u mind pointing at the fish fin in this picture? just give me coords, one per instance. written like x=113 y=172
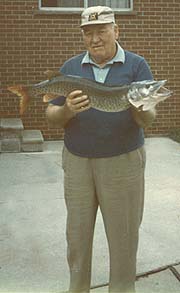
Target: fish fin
x=49 y=97
x=52 y=73
x=22 y=92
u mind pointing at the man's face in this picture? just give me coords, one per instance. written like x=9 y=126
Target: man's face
x=100 y=40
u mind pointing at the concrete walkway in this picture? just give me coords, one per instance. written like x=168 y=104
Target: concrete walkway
x=33 y=216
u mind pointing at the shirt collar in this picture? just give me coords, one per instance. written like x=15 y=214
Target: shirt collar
x=119 y=57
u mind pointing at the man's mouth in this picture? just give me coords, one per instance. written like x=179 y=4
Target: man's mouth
x=97 y=47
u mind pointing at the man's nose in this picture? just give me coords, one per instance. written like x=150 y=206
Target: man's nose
x=95 y=37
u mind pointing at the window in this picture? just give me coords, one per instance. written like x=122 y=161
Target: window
x=79 y=5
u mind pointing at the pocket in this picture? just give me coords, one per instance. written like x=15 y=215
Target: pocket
x=141 y=152
x=64 y=156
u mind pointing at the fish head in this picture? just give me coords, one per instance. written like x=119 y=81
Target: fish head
x=148 y=87
x=148 y=93
x=142 y=89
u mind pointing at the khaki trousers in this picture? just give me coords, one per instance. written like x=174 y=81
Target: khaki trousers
x=116 y=185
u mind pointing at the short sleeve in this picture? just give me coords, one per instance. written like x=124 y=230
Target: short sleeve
x=59 y=101
x=143 y=71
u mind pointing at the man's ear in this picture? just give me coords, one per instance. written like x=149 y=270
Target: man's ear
x=117 y=31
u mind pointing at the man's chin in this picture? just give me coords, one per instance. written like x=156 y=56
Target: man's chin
x=98 y=56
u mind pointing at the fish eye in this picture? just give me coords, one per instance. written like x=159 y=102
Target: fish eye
x=144 y=91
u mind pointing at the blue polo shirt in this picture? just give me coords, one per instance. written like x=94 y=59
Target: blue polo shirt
x=98 y=134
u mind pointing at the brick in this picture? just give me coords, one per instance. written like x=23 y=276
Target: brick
x=11 y=128
x=36 y=147
x=32 y=136
x=11 y=134
x=11 y=124
x=10 y=145
x=32 y=141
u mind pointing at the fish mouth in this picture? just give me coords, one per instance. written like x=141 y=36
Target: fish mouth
x=165 y=92
x=157 y=85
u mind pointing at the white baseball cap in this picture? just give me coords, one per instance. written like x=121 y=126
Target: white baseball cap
x=97 y=15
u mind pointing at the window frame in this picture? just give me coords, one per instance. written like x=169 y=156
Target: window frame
x=77 y=10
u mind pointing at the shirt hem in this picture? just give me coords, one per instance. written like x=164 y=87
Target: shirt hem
x=96 y=156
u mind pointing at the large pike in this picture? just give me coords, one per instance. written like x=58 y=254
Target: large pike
x=146 y=93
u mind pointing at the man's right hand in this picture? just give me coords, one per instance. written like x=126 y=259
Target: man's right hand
x=76 y=102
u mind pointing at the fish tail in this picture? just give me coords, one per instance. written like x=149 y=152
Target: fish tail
x=22 y=92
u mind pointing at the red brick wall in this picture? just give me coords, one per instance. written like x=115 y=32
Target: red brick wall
x=32 y=42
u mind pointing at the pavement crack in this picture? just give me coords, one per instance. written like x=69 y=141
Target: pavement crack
x=148 y=273
x=175 y=272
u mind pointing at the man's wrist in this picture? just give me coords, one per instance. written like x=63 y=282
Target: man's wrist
x=143 y=118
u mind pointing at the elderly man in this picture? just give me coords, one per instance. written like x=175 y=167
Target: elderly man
x=103 y=156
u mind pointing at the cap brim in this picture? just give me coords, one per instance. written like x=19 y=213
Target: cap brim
x=96 y=22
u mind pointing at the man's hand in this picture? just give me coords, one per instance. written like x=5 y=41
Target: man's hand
x=143 y=118
x=76 y=102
